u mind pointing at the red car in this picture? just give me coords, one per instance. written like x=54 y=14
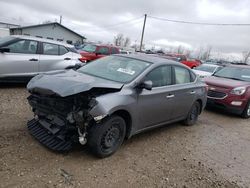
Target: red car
x=229 y=88
x=192 y=63
x=91 y=52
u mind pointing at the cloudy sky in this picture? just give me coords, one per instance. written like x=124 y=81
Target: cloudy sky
x=99 y=20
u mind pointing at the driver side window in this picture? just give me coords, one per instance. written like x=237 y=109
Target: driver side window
x=160 y=76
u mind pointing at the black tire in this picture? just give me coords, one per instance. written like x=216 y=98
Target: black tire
x=193 y=114
x=246 y=112
x=106 y=137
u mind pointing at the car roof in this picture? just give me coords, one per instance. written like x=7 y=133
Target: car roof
x=41 y=40
x=151 y=59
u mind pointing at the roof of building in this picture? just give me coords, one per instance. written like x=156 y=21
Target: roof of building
x=47 y=24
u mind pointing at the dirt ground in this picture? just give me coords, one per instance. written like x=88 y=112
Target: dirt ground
x=213 y=153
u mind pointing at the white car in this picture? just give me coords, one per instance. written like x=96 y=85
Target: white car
x=206 y=70
x=22 y=57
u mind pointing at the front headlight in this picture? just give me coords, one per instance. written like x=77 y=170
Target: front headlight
x=238 y=91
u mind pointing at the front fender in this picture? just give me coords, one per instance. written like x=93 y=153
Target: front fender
x=110 y=103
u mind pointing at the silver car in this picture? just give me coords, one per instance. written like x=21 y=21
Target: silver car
x=22 y=57
x=111 y=99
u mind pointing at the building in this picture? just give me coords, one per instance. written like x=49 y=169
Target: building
x=5 y=28
x=53 y=31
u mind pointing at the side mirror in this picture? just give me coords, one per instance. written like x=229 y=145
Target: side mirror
x=146 y=85
x=2 y=50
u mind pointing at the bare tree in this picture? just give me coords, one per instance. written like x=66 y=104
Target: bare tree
x=180 y=49
x=204 y=52
x=246 y=56
x=126 y=42
x=118 y=39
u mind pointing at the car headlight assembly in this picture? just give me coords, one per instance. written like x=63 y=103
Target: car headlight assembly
x=238 y=91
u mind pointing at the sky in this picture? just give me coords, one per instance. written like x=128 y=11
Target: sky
x=100 y=20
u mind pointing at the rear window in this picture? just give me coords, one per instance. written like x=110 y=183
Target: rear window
x=89 y=48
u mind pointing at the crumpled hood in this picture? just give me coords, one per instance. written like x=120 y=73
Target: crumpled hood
x=66 y=83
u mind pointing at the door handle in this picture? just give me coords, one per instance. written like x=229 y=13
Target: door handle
x=67 y=58
x=33 y=59
x=192 y=92
x=169 y=96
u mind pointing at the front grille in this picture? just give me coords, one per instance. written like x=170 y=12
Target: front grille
x=216 y=94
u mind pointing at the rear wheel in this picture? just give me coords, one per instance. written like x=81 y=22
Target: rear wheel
x=193 y=114
x=246 y=112
x=105 y=138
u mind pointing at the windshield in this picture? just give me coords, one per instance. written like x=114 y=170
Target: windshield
x=115 y=68
x=206 y=68
x=237 y=73
x=89 y=48
x=5 y=39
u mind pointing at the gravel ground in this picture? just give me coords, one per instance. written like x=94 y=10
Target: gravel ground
x=213 y=153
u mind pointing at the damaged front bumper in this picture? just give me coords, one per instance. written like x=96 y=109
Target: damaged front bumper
x=49 y=137
x=59 y=122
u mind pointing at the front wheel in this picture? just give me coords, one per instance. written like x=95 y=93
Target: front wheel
x=193 y=114
x=105 y=138
x=246 y=112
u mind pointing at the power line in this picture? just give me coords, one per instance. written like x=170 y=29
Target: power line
x=121 y=23
x=199 y=23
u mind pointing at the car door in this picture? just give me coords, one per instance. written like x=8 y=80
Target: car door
x=183 y=91
x=21 y=60
x=156 y=104
x=54 y=57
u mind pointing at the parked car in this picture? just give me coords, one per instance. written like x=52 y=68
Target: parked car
x=127 y=95
x=192 y=63
x=229 y=89
x=22 y=57
x=206 y=70
x=91 y=52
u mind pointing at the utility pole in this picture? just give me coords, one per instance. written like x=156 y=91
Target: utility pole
x=142 y=34
x=60 y=20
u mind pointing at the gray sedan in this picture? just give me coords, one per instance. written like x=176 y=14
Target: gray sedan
x=22 y=57
x=111 y=99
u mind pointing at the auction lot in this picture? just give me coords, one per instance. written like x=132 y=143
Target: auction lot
x=213 y=153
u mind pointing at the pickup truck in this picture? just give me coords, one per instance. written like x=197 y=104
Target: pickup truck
x=192 y=63
x=91 y=52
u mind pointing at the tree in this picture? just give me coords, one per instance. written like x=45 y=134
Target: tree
x=126 y=42
x=118 y=39
x=204 y=52
x=180 y=49
x=246 y=56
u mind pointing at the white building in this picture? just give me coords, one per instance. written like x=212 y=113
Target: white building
x=53 y=31
x=5 y=28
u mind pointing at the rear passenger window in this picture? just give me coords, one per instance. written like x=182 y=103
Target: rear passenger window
x=182 y=75
x=160 y=76
x=62 y=50
x=50 y=49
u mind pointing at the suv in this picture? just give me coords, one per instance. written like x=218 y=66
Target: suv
x=22 y=57
x=91 y=52
x=229 y=88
